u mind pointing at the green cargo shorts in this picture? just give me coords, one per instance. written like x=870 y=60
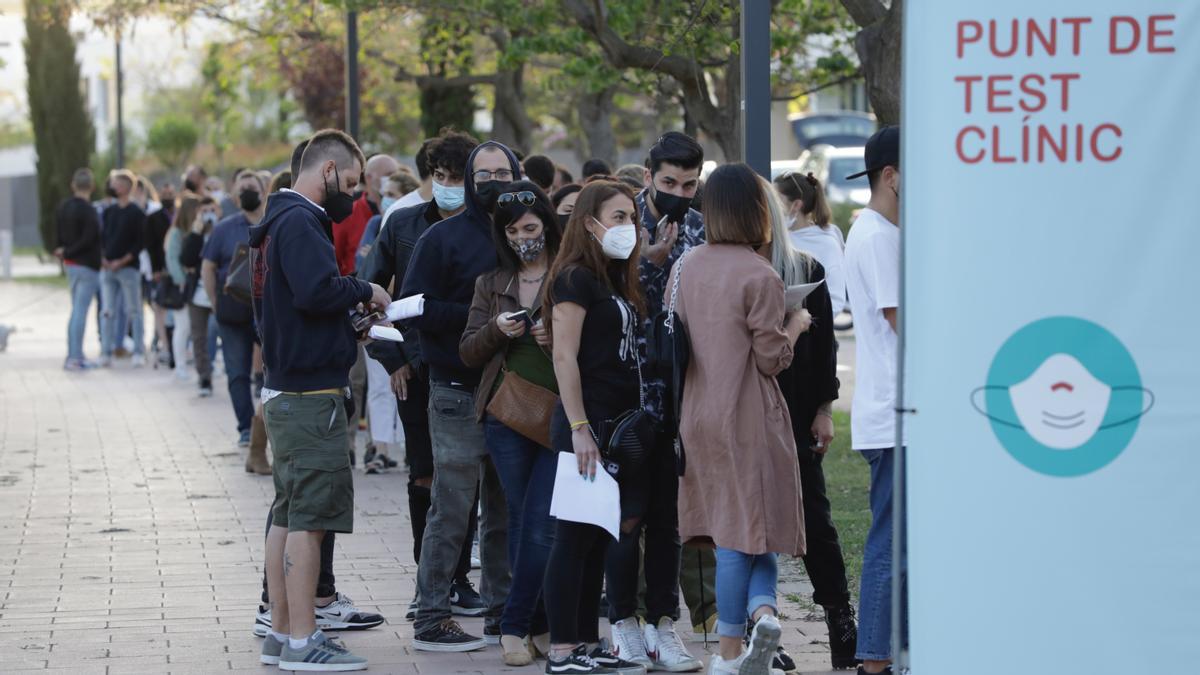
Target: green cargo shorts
x=314 y=486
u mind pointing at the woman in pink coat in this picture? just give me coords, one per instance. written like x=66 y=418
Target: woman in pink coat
x=741 y=488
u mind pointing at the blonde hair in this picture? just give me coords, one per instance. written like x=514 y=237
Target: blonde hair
x=794 y=266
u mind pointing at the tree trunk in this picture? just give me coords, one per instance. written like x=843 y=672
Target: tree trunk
x=595 y=117
x=446 y=106
x=879 y=50
x=510 y=123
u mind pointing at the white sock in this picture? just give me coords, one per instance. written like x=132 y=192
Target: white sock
x=297 y=644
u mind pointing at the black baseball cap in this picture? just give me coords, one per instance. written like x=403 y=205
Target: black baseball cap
x=883 y=149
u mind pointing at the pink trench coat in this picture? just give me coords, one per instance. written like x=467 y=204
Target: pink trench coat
x=741 y=489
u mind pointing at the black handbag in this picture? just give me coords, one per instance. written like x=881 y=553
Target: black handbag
x=167 y=294
x=625 y=440
x=670 y=351
x=237 y=281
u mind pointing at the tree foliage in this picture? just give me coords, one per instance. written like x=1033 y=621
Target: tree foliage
x=62 y=128
x=172 y=138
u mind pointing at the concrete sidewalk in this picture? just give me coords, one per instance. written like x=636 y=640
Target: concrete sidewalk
x=133 y=537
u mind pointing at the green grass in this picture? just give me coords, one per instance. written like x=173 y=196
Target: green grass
x=847 y=479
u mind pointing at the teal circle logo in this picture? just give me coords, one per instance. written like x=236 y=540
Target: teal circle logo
x=1064 y=396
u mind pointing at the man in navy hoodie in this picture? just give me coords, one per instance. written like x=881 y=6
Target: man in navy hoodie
x=302 y=307
x=447 y=260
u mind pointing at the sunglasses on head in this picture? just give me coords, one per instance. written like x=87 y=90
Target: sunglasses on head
x=524 y=197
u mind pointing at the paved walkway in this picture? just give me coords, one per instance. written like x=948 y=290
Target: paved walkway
x=132 y=537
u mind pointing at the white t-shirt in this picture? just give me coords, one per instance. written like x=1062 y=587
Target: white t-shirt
x=826 y=247
x=411 y=199
x=873 y=282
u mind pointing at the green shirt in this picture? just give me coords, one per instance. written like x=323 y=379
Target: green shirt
x=525 y=358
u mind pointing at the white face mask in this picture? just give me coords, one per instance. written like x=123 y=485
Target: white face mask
x=1061 y=404
x=619 y=240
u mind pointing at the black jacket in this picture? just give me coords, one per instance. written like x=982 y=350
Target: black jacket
x=447 y=260
x=157 y=226
x=388 y=260
x=79 y=232
x=301 y=303
x=123 y=230
x=811 y=380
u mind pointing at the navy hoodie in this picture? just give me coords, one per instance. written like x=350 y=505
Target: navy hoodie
x=301 y=303
x=447 y=260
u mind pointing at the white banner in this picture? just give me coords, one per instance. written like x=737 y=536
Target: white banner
x=1051 y=229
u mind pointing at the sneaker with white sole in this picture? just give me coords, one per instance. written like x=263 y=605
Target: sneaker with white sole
x=629 y=643
x=341 y=614
x=666 y=650
x=764 y=641
x=447 y=636
x=320 y=654
x=605 y=657
x=271 y=650
x=465 y=600
x=576 y=663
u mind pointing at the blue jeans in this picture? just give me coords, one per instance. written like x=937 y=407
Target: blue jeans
x=125 y=283
x=84 y=282
x=237 y=344
x=875 y=596
x=526 y=472
x=211 y=339
x=745 y=582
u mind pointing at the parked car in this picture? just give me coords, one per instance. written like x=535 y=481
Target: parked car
x=836 y=128
x=831 y=165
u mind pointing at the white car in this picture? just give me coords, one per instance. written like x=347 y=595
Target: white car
x=831 y=165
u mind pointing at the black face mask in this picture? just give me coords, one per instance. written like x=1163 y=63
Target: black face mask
x=674 y=207
x=562 y=220
x=488 y=192
x=111 y=191
x=250 y=200
x=337 y=204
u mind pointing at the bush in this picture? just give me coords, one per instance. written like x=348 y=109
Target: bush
x=171 y=139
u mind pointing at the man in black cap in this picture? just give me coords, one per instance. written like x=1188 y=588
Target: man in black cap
x=873 y=281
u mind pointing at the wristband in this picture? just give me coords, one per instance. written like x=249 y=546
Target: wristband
x=576 y=426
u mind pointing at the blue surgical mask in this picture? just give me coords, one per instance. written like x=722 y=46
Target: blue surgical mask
x=386 y=203
x=448 y=198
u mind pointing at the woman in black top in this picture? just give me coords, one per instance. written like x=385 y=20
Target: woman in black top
x=596 y=300
x=810 y=386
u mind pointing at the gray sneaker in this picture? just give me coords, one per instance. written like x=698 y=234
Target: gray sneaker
x=271 y=650
x=320 y=654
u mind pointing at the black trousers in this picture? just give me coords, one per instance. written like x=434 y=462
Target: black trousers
x=325 y=580
x=574 y=579
x=824 y=562
x=660 y=559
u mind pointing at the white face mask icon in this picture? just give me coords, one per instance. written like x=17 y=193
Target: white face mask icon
x=1061 y=405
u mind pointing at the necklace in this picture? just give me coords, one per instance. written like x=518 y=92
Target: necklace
x=533 y=281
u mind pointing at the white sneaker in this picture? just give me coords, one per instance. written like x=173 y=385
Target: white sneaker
x=629 y=643
x=719 y=666
x=666 y=650
x=764 y=641
x=139 y=360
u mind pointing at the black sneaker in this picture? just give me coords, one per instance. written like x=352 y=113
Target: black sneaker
x=206 y=389
x=576 y=663
x=464 y=600
x=782 y=661
x=491 y=634
x=885 y=671
x=447 y=636
x=389 y=462
x=368 y=454
x=605 y=658
x=843 y=636
x=412 y=608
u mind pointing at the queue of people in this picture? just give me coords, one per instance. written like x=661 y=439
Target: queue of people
x=539 y=298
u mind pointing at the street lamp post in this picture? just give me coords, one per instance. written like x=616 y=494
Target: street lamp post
x=756 y=85
x=120 y=149
x=352 y=74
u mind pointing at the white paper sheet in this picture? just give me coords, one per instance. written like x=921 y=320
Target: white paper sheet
x=584 y=501
x=406 y=308
x=795 y=295
x=386 y=333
